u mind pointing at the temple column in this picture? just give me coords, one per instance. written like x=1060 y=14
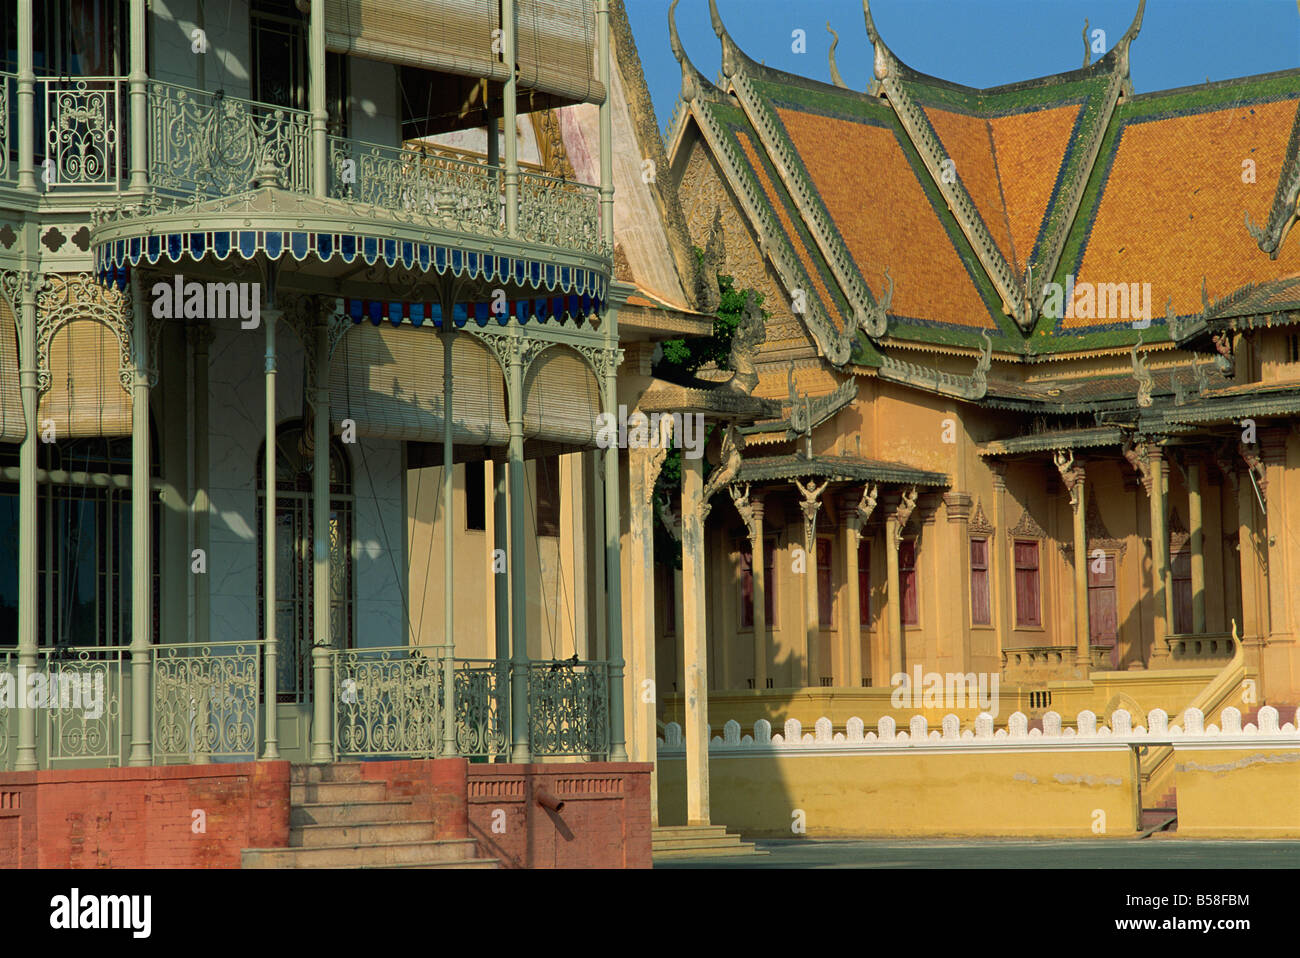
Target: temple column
x=695 y=652
x=1277 y=666
x=501 y=593
x=25 y=760
x=1153 y=478
x=758 y=572
x=812 y=621
x=1254 y=582
x=138 y=85
x=896 y=520
x=141 y=536
x=509 y=94
x=1000 y=554
x=202 y=475
x=1072 y=475
x=1197 y=529
x=641 y=620
x=320 y=165
x=271 y=749
x=851 y=626
x=322 y=747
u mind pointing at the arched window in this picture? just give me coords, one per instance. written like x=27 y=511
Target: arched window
x=293 y=555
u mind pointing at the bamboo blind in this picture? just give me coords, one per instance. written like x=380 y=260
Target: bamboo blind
x=11 y=400
x=85 y=397
x=388 y=380
x=556 y=39
x=563 y=399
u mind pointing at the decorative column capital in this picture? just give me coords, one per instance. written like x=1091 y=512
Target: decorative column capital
x=902 y=510
x=958 y=506
x=1147 y=460
x=811 y=495
x=998 y=469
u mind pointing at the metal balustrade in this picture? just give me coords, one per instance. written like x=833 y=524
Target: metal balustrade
x=206 y=145
x=207 y=703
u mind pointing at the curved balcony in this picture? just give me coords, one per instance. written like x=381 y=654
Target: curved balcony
x=206 y=146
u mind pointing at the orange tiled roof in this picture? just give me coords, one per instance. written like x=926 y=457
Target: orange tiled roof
x=1173 y=206
x=968 y=141
x=886 y=219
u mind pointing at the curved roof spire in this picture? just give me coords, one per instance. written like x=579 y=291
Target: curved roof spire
x=835 y=70
x=693 y=82
x=732 y=57
x=1126 y=41
x=885 y=60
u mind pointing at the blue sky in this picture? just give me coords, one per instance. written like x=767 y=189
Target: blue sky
x=979 y=43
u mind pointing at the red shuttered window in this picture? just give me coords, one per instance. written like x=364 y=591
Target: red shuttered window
x=1028 y=611
x=979 y=582
x=907 y=581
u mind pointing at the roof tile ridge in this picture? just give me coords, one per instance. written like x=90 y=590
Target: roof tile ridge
x=1002 y=196
x=1285 y=212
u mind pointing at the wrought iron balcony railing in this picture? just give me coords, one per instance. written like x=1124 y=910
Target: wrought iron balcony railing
x=204 y=145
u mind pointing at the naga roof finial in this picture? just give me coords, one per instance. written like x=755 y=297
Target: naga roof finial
x=883 y=59
x=692 y=80
x=1129 y=36
x=835 y=70
x=732 y=58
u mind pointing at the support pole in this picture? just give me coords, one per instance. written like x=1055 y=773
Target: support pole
x=1195 y=521
x=1159 y=538
x=25 y=760
x=271 y=750
x=141 y=535
x=26 y=103
x=138 y=84
x=520 y=752
x=894 y=603
x=202 y=476
x=693 y=644
x=322 y=746
x=448 y=552
x=501 y=592
x=508 y=109
x=613 y=577
x=316 y=97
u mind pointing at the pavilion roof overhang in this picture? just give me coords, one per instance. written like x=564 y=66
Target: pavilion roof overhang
x=837 y=469
x=718 y=402
x=1253 y=306
x=1052 y=440
x=1229 y=408
x=333 y=246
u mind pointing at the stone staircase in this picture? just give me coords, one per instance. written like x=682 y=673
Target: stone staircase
x=1160 y=819
x=698 y=841
x=338 y=819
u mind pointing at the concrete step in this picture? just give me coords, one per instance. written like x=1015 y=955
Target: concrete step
x=414 y=854
x=697 y=841
x=729 y=851
x=337 y=792
x=687 y=831
x=338 y=772
x=466 y=863
x=362 y=833
x=349 y=813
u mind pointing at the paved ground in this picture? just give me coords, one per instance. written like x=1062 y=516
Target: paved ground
x=1148 y=853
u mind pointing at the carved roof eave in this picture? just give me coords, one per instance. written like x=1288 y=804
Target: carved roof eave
x=869 y=314
x=1285 y=211
x=837 y=469
x=1022 y=296
x=662 y=396
x=972 y=387
x=1231 y=313
x=1052 y=441
x=822 y=408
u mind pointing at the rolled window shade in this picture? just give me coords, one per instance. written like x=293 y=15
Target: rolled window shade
x=85 y=397
x=12 y=427
x=388 y=380
x=556 y=40
x=557 y=48
x=563 y=399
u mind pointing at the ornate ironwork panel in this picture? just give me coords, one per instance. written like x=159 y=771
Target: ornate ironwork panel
x=560 y=213
x=568 y=708
x=207 y=700
x=481 y=712
x=82 y=705
x=8 y=667
x=446 y=190
x=83 y=120
x=211 y=145
x=386 y=702
x=8 y=87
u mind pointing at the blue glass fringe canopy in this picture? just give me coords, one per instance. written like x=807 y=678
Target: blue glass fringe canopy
x=550 y=309
x=113 y=259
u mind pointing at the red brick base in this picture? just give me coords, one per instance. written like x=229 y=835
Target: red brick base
x=142 y=817
x=605 y=821
x=145 y=817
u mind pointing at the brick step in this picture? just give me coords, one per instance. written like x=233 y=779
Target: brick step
x=313 y=774
x=349 y=813
x=362 y=833
x=415 y=854
x=337 y=792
